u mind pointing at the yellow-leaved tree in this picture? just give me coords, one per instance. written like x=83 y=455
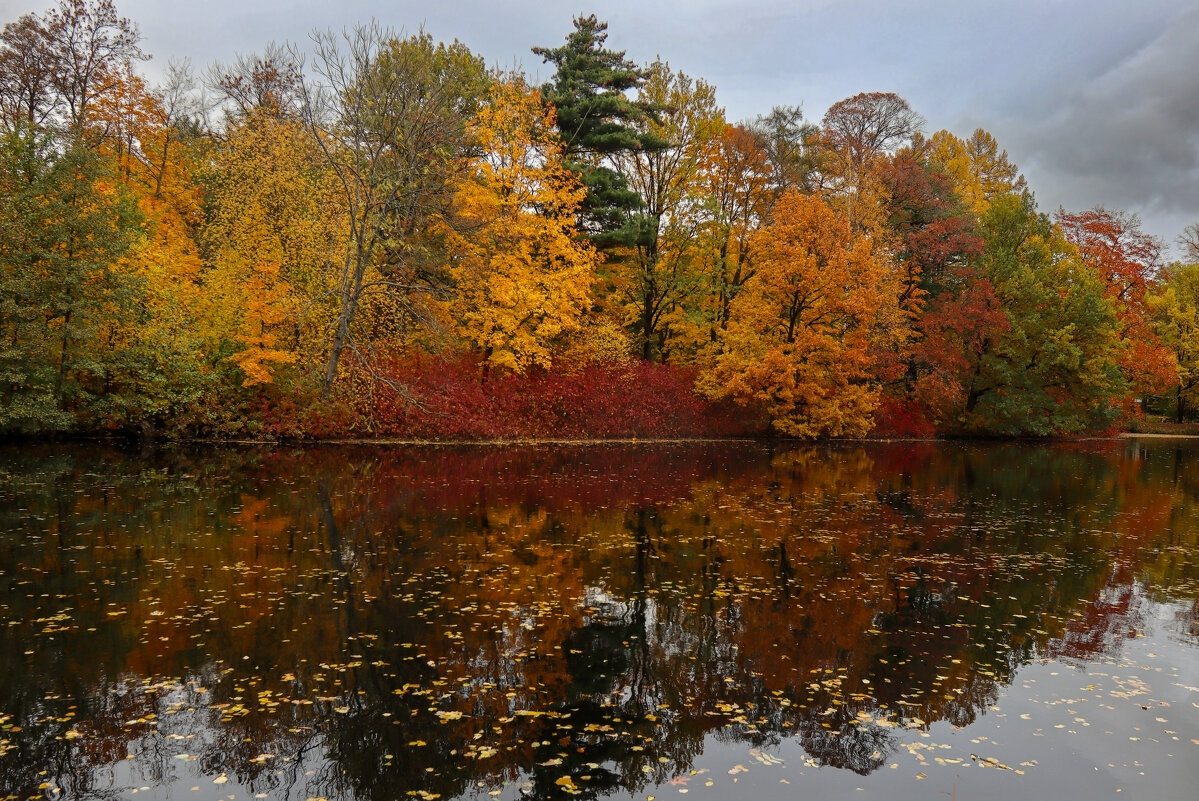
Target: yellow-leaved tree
x=522 y=276
x=979 y=170
x=800 y=339
x=271 y=238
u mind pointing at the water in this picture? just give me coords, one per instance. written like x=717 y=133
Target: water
x=697 y=621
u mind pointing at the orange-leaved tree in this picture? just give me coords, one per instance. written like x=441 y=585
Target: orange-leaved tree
x=1126 y=260
x=800 y=339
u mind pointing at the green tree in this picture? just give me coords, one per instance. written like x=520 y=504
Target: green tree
x=598 y=121
x=64 y=226
x=1054 y=369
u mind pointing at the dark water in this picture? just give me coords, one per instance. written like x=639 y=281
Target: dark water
x=900 y=621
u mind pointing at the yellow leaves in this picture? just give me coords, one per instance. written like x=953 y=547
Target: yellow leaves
x=272 y=233
x=802 y=338
x=523 y=279
x=979 y=170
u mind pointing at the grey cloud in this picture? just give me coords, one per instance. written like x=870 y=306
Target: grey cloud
x=1129 y=138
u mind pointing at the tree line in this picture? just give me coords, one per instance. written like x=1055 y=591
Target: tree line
x=320 y=238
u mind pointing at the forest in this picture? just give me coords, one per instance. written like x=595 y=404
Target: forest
x=375 y=235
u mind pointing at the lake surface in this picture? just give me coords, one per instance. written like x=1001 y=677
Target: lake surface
x=698 y=621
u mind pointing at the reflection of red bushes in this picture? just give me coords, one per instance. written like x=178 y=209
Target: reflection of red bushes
x=449 y=400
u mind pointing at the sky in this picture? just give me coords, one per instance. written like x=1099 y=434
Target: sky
x=1097 y=101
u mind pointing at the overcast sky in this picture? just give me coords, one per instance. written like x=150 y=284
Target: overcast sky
x=1097 y=101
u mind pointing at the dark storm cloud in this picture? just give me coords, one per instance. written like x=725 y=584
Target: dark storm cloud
x=1126 y=138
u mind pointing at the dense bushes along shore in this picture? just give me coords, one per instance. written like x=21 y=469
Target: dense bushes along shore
x=400 y=242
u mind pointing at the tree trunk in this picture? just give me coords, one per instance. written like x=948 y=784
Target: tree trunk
x=339 y=343
x=647 y=327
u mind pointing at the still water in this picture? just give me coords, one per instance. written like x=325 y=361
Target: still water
x=697 y=621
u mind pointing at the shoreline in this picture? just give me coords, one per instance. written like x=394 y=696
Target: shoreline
x=572 y=441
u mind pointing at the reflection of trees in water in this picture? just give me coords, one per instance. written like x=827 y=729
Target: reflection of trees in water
x=842 y=741
x=638 y=601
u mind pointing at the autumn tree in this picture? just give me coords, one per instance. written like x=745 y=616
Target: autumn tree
x=1174 y=308
x=27 y=65
x=270 y=81
x=868 y=124
x=787 y=140
x=855 y=135
x=659 y=274
x=1188 y=240
x=1052 y=366
x=933 y=239
x=934 y=233
x=738 y=185
x=978 y=169
x=522 y=278
x=271 y=239
x=801 y=338
x=389 y=115
x=149 y=137
x=1126 y=260
x=597 y=121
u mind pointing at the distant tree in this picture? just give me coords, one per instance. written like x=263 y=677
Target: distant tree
x=54 y=68
x=868 y=124
x=1189 y=240
x=855 y=135
x=90 y=44
x=786 y=139
x=270 y=81
x=27 y=68
x=1126 y=260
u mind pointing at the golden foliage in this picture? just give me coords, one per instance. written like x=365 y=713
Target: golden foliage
x=270 y=239
x=522 y=275
x=800 y=341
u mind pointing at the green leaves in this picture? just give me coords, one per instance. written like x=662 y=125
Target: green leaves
x=64 y=294
x=1054 y=370
x=597 y=121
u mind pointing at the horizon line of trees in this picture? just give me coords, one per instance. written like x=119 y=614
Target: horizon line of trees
x=268 y=234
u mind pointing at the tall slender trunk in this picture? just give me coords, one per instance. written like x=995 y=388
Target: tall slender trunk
x=62 y=359
x=339 y=343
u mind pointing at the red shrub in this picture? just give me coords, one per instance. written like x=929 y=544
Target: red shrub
x=450 y=400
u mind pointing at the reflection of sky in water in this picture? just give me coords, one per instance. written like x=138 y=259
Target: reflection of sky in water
x=704 y=621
